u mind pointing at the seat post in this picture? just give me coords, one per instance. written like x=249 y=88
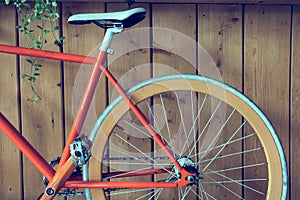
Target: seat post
x=110 y=32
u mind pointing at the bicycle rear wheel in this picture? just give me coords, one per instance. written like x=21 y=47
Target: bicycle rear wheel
x=213 y=130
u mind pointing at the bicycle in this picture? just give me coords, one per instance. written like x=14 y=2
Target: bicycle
x=213 y=160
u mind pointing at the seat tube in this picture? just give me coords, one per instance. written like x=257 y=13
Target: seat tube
x=83 y=106
x=89 y=91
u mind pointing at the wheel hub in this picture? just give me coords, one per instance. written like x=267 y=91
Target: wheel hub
x=189 y=166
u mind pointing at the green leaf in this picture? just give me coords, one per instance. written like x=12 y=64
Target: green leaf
x=56 y=28
x=26 y=5
x=30 y=61
x=31 y=78
x=23 y=75
x=54 y=4
x=57 y=42
x=38 y=26
x=36 y=18
x=46 y=32
x=7 y=2
x=36 y=99
x=36 y=42
x=37 y=65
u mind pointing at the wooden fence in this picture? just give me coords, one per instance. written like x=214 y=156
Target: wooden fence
x=255 y=47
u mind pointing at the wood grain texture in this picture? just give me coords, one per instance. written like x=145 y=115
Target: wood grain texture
x=267 y=44
x=220 y=34
x=295 y=106
x=174 y=39
x=267 y=77
x=83 y=40
x=174 y=51
x=130 y=65
x=42 y=121
x=10 y=162
x=266 y=67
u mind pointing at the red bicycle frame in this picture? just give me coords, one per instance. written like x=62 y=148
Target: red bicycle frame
x=60 y=177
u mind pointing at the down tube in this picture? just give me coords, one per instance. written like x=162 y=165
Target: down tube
x=35 y=158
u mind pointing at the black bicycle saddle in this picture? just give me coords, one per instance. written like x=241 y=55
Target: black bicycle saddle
x=127 y=18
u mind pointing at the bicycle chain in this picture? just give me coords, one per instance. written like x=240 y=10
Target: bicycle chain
x=137 y=158
x=73 y=192
x=70 y=193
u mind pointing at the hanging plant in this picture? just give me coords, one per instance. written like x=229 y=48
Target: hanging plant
x=45 y=15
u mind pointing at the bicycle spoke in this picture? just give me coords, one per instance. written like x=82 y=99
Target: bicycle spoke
x=217 y=136
x=206 y=193
x=136 y=128
x=115 y=193
x=185 y=193
x=229 y=153
x=232 y=154
x=195 y=122
x=228 y=189
x=141 y=197
x=225 y=144
x=237 y=182
x=235 y=168
x=206 y=125
x=221 y=145
x=165 y=117
x=170 y=143
x=195 y=193
x=181 y=118
x=140 y=151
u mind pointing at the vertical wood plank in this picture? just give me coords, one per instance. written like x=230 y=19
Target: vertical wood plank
x=130 y=65
x=220 y=34
x=267 y=47
x=295 y=106
x=10 y=162
x=171 y=44
x=174 y=51
x=131 y=51
x=41 y=121
x=81 y=40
